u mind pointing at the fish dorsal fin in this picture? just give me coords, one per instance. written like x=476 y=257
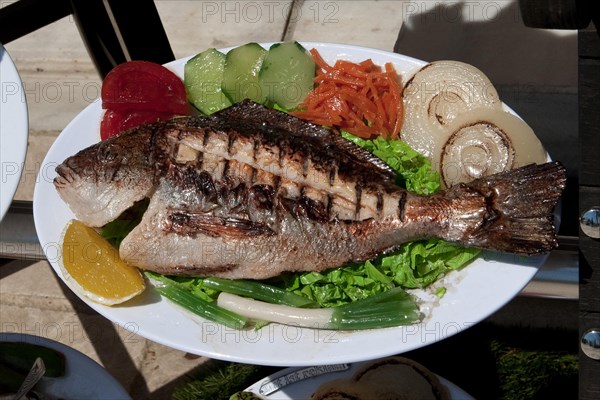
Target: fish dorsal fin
x=362 y=155
x=253 y=113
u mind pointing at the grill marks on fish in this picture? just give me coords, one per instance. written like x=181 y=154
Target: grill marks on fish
x=230 y=194
x=308 y=176
x=295 y=168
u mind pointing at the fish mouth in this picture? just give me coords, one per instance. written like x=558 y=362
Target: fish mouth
x=65 y=176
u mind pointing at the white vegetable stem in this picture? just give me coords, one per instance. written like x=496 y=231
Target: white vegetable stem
x=259 y=310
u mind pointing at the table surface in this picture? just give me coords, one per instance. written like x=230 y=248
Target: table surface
x=60 y=81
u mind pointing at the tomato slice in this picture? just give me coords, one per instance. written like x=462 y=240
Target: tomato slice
x=116 y=121
x=144 y=85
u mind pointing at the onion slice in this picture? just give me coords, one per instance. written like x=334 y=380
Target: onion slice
x=436 y=95
x=483 y=142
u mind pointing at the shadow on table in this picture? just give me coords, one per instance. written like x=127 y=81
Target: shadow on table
x=534 y=70
x=535 y=73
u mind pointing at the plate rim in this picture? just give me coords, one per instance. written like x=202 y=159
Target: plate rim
x=19 y=131
x=71 y=355
x=346 y=370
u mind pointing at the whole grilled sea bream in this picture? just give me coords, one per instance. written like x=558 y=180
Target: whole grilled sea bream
x=250 y=192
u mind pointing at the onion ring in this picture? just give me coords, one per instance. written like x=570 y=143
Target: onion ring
x=436 y=95
x=483 y=142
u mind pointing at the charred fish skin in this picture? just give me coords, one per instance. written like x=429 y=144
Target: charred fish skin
x=103 y=180
x=220 y=209
x=234 y=218
x=251 y=192
x=311 y=160
x=285 y=236
x=200 y=244
x=256 y=114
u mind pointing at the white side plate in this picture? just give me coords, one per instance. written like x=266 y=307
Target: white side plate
x=14 y=130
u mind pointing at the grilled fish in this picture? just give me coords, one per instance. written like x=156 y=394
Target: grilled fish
x=251 y=192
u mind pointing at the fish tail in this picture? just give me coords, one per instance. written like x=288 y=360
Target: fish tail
x=519 y=211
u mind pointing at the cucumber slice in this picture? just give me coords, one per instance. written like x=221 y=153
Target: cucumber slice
x=240 y=77
x=287 y=74
x=202 y=77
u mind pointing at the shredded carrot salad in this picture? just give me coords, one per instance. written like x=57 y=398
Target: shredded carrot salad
x=361 y=98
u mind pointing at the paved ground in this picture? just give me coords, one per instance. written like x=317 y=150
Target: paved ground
x=60 y=81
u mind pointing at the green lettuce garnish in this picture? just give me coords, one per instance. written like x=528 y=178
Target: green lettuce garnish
x=415 y=265
x=115 y=231
x=413 y=169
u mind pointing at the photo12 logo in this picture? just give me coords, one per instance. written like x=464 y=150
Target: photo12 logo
x=64 y=91
x=426 y=333
x=34 y=172
x=323 y=12
x=272 y=333
x=423 y=12
x=70 y=332
x=50 y=92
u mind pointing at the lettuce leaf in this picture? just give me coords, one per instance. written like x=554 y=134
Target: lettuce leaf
x=413 y=169
x=115 y=231
x=415 y=265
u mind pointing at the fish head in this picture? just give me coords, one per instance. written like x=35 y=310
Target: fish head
x=102 y=181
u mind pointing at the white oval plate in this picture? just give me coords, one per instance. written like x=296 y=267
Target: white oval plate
x=14 y=130
x=473 y=293
x=84 y=378
x=302 y=382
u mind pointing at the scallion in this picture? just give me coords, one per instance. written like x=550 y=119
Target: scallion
x=208 y=310
x=258 y=291
x=392 y=308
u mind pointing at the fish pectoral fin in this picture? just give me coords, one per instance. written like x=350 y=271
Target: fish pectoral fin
x=189 y=223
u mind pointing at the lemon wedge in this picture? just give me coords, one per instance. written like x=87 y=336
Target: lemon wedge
x=94 y=268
